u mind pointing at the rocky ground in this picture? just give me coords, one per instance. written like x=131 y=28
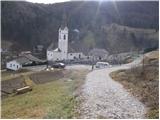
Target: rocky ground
x=102 y=97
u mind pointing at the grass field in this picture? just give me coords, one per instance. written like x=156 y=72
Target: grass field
x=54 y=99
x=6 y=75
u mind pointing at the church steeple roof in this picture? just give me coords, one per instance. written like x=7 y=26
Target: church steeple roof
x=64 y=20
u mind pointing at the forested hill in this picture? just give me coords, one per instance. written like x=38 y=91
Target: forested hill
x=106 y=25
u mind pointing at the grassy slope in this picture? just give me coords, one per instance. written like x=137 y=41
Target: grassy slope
x=122 y=38
x=51 y=100
x=143 y=84
x=7 y=75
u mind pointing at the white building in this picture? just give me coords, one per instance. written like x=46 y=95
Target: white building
x=62 y=53
x=13 y=65
x=22 y=61
x=72 y=56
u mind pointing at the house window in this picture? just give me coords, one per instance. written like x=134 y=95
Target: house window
x=71 y=54
x=10 y=65
x=64 y=37
x=17 y=66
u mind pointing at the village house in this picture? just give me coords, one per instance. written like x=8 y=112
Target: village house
x=63 y=52
x=98 y=54
x=23 y=60
x=17 y=63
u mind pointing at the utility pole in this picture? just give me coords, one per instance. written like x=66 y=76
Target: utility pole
x=92 y=62
x=47 y=64
x=143 y=64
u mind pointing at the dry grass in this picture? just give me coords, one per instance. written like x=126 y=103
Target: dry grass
x=54 y=99
x=151 y=57
x=142 y=83
x=153 y=54
x=7 y=75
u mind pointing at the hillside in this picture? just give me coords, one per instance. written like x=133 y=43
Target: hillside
x=142 y=82
x=101 y=25
x=151 y=57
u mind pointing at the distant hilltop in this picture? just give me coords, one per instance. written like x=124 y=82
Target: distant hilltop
x=117 y=27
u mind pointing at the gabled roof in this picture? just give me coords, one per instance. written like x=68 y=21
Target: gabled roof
x=71 y=50
x=51 y=47
x=74 y=47
x=28 y=58
x=98 y=52
x=57 y=50
x=62 y=27
x=22 y=60
x=33 y=58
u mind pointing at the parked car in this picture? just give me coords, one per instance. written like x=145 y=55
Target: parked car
x=102 y=65
x=58 y=65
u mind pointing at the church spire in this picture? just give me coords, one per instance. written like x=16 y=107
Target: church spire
x=64 y=20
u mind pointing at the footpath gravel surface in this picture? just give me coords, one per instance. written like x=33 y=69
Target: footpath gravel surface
x=79 y=67
x=102 y=97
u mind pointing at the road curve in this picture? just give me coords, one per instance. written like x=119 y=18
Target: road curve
x=102 y=97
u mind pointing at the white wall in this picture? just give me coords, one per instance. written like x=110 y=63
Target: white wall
x=13 y=65
x=63 y=46
x=53 y=56
x=63 y=43
x=72 y=56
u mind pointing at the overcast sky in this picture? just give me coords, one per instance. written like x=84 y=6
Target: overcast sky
x=47 y=1
x=56 y=1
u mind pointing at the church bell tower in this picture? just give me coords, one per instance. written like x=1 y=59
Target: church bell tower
x=63 y=38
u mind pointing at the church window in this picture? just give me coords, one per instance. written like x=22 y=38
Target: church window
x=59 y=36
x=64 y=37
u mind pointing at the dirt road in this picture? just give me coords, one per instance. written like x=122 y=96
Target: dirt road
x=79 y=67
x=102 y=97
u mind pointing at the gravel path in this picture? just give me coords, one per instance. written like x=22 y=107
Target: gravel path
x=79 y=67
x=102 y=97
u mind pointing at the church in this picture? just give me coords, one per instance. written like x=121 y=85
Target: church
x=62 y=52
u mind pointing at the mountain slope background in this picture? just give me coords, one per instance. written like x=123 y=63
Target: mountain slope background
x=115 y=26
